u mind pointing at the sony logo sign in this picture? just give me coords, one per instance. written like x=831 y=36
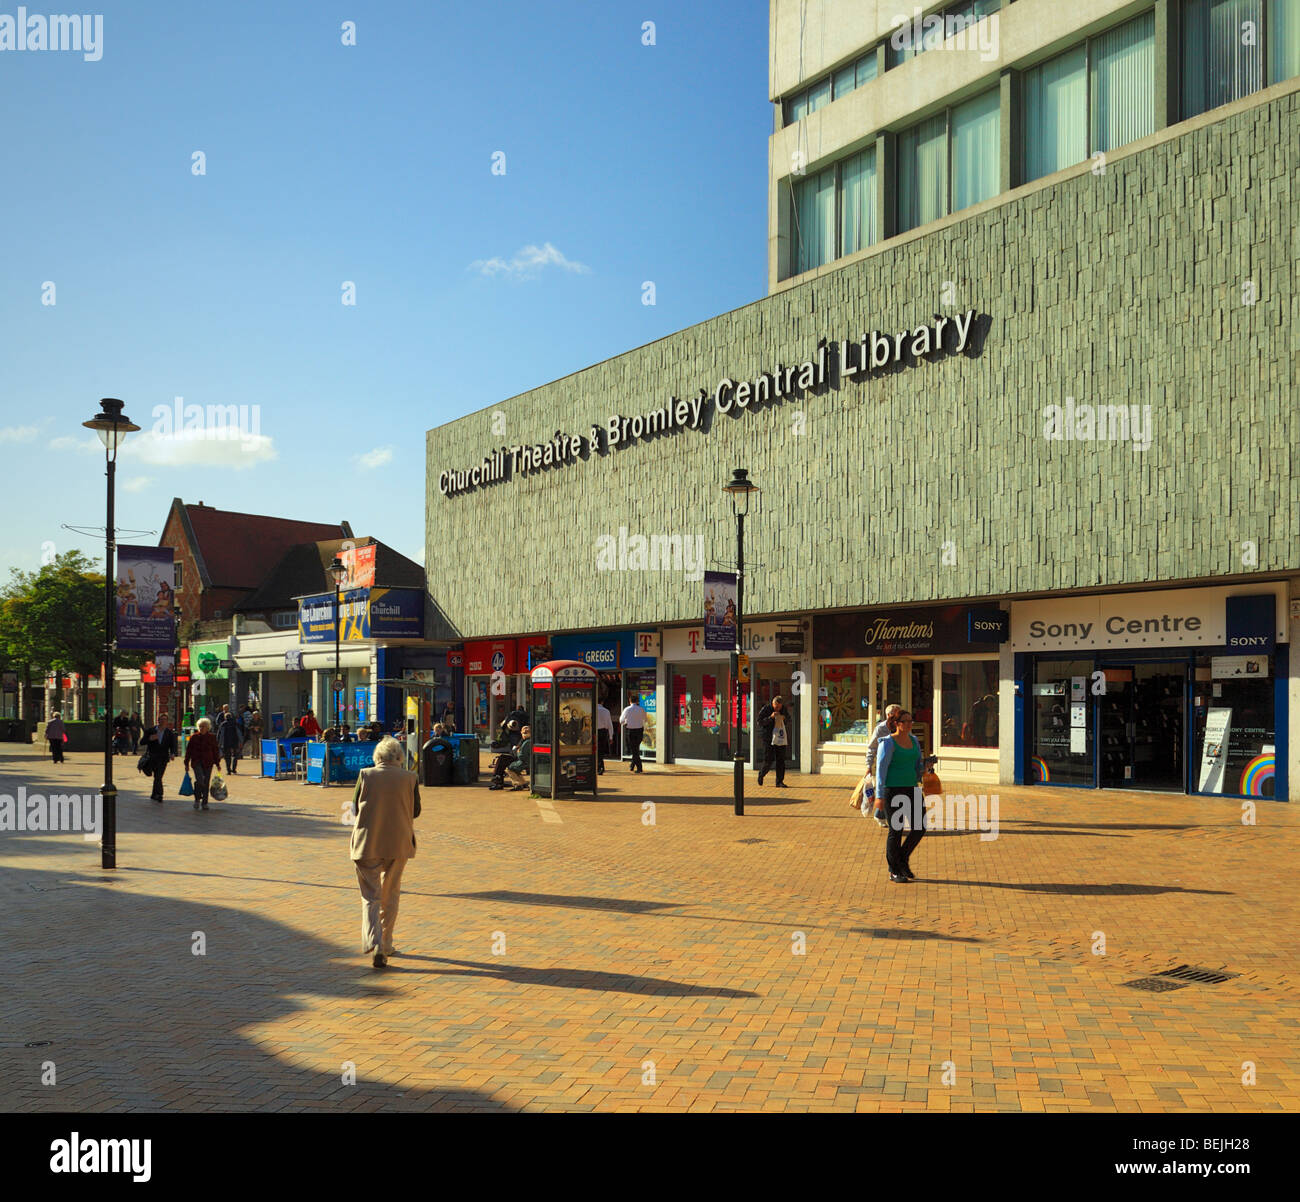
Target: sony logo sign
x=1258 y=640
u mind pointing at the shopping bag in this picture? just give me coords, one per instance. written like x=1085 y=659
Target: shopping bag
x=187 y=786
x=931 y=786
x=217 y=789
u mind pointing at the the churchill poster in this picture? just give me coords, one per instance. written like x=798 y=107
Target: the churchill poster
x=144 y=599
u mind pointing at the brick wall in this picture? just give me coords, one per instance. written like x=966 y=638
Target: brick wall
x=1120 y=288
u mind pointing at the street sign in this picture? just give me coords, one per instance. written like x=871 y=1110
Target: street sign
x=340 y=684
x=227 y=663
x=456 y=660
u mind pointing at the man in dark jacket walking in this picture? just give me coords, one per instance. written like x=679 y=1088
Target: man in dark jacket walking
x=774 y=727
x=229 y=738
x=159 y=748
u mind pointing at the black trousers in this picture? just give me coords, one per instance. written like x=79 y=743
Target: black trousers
x=158 y=770
x=602 y=749
x=634 y=738
x=56 y=750
x=231 y=756
x=202 y=778
x=903 y=804
x=773 y=754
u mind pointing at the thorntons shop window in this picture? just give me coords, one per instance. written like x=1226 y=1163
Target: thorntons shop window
x=969 y=704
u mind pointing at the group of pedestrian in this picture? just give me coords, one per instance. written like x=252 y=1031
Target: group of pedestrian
x=127 y=729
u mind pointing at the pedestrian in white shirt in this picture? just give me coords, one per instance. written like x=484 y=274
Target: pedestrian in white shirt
x=633 y=722
x=604 y=735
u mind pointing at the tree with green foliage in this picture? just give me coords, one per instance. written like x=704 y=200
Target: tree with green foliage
x=52 y=620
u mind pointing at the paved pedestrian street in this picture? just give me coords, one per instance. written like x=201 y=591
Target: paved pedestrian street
x=649 y=950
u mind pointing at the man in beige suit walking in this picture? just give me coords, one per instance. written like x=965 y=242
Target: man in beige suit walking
x=386 y=804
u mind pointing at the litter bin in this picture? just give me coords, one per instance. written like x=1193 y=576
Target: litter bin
x=465 y=767
x=435 y=763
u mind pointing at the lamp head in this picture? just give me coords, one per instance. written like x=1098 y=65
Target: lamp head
x=111 y=424
x=740 y=489
x=339 y=571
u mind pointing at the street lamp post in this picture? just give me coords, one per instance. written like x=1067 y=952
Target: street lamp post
x=112 y=426
x=739 y=489
x=177 y=613
x=338 y=569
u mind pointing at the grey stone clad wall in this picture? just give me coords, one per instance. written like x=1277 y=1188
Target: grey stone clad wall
x=1120 y=288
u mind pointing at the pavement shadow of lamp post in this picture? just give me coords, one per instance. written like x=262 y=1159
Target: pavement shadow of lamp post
x=741 y=490
x=338 y=569
x=112 y=426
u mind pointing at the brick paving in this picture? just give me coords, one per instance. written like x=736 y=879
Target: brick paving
x=702 y=962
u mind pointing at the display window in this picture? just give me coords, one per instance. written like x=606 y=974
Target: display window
x=702 y=712
x=968 y=701
x=1233 y=749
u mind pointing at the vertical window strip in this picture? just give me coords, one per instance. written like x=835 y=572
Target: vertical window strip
x=858 y=219
x=1056 y=114
x=1122 y=84
x=1284 y=40
x=814 y=210
x=923 y=173
x=976 y=150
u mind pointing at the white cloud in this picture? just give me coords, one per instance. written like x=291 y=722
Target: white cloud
x=18 y=433
x=527 y=262
x=137 y=484
x=200 y=448
x=220 y=447
x=376 y=458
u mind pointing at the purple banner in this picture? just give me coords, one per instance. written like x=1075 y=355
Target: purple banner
x=145 y=596
x=720 y=611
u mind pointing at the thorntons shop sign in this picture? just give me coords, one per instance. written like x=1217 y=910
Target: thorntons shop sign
x=833 y=364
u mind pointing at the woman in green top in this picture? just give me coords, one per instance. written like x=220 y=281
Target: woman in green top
x=898 y=779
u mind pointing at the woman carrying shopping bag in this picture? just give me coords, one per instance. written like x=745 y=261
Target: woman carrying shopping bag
x=201 y=756
x=899 y=767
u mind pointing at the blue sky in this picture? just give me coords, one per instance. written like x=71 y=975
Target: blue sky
x=370 y=163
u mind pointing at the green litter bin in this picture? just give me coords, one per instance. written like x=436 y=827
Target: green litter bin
x=465 y=766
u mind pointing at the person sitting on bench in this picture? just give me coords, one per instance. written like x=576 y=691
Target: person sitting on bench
x=519 y=767
x=507 y=745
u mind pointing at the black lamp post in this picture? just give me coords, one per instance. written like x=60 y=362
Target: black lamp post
x=112 y=426
x=178 y=614
x=740 y=490
x=339 y=570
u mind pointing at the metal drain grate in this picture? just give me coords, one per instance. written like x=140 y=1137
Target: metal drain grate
x=1202 y=976
x=1155 y=984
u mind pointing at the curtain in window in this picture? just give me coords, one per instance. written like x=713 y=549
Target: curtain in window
x=1123 y=70
x=923 y=173
x=845 y=81
x=819 y=95
x=866 y=71
x=858 y=226
x=976 y=150
x=1056 y=116
x=1222 y=52
x=1284 y=40
x=814 y=211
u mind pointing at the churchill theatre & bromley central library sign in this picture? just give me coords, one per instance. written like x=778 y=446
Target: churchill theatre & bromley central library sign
x=834 y=365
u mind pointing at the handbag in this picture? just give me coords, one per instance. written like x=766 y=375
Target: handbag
x=187 y=786
x=217 y=789
x=931 y=785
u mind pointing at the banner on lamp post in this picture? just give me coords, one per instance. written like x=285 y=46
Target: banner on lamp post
x=143 y=608
x=720 y=611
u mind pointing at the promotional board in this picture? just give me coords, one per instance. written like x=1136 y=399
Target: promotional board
x=145 y=596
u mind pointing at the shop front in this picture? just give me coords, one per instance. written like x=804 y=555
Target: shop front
x=701 y=691
x=496 y=680
x=209 y=666
x=1175 y=691
x=939 y=662
x=624 y=662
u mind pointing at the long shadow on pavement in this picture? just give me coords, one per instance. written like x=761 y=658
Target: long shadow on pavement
x=571 y=978
x=133 y=1020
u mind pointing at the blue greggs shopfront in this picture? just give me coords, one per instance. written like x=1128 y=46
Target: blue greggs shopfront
x=1181 y=691
x=624 y=661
